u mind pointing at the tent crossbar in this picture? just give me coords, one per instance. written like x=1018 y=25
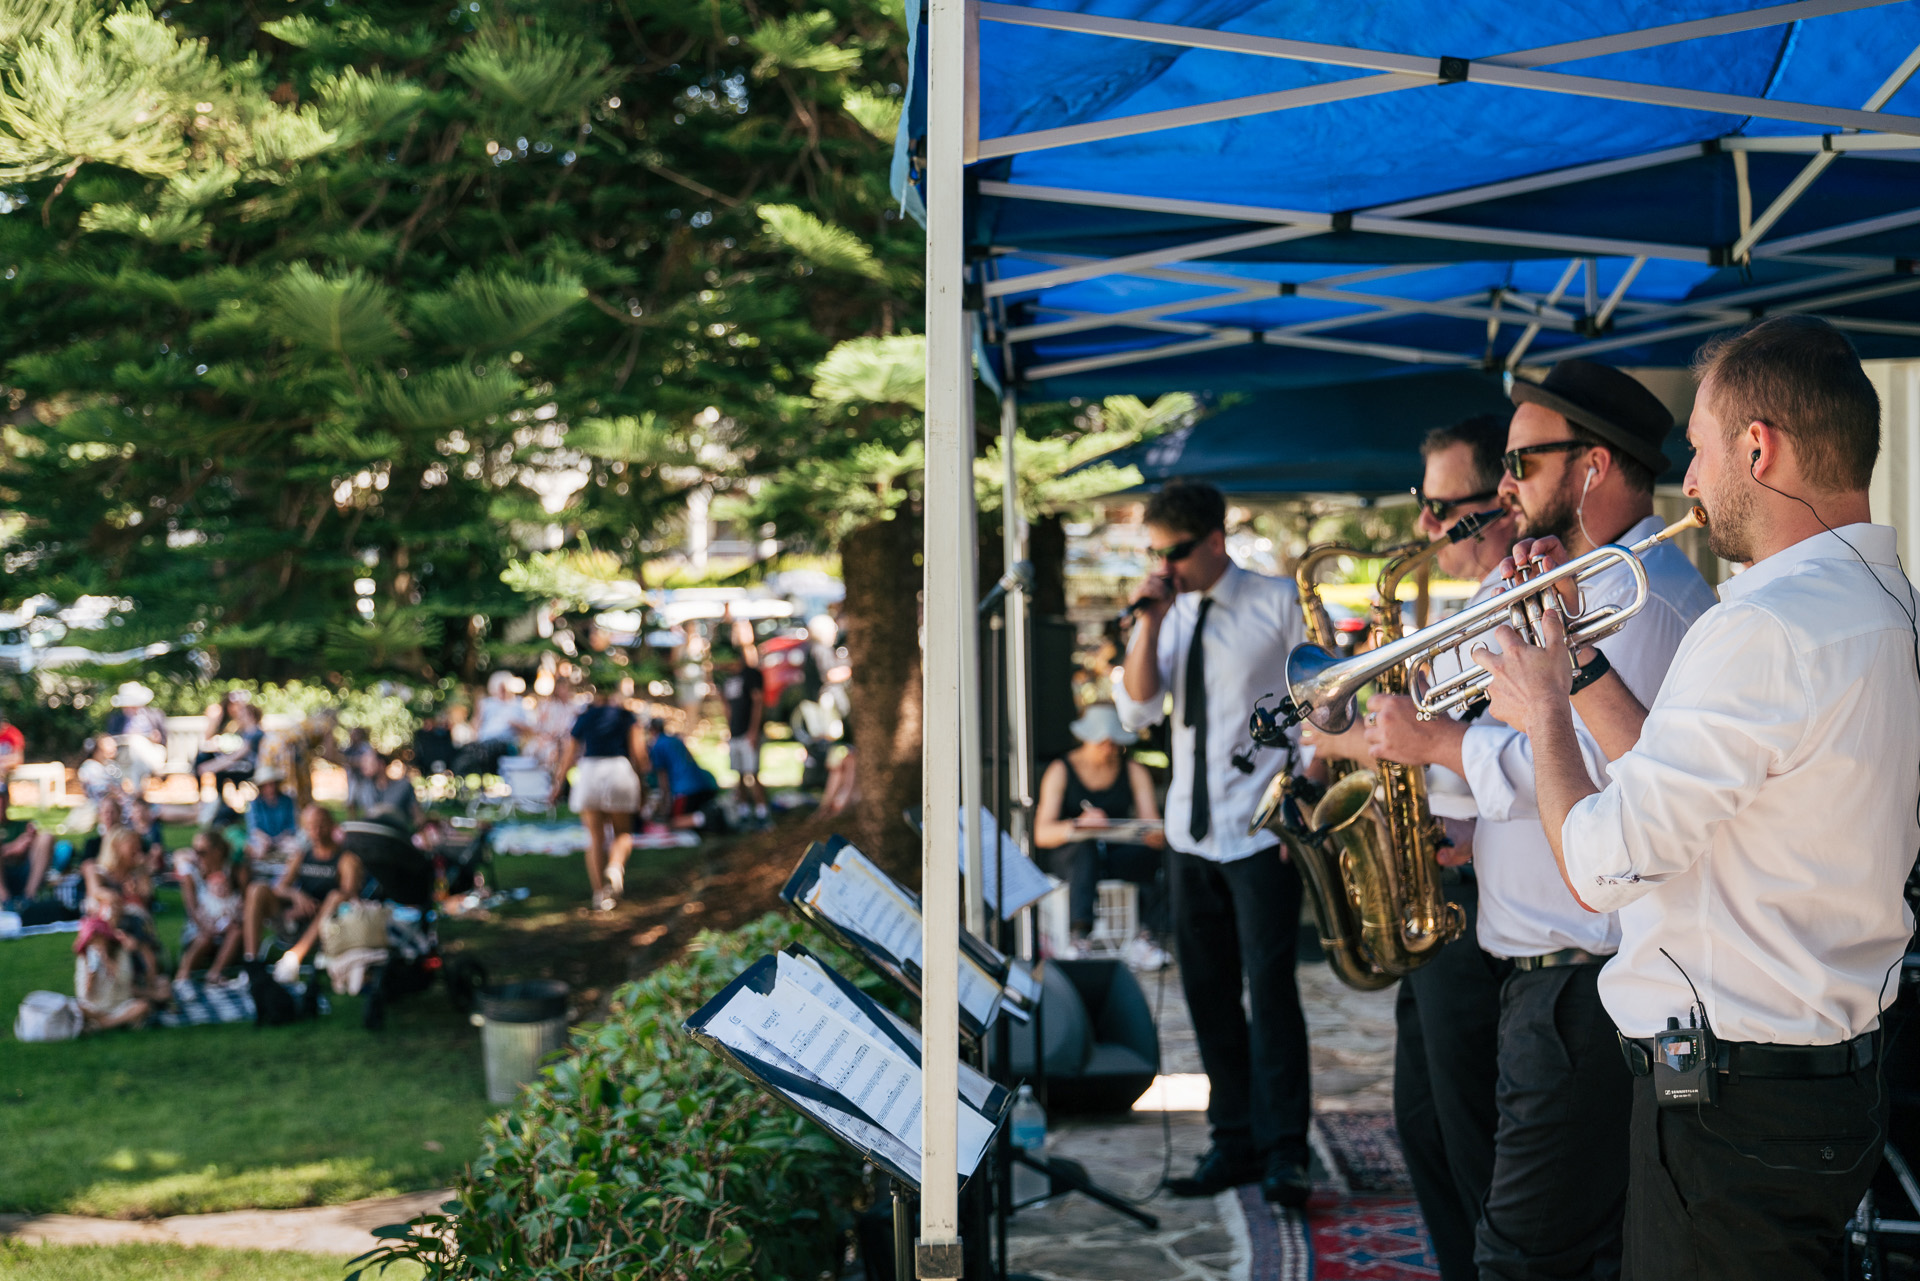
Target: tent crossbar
x=1721 y=321
x=1212 y=338
x=1229 y=338
x=1059 y=328
x=1619 y=291
x=1128 y=263
x=1894 y=142
x=1833 y=235
x=1532 y=331
x=1659 y=313
x=1260 y=104
x=1676 y=32
x=1898 y=328
x=1365 y=221
x=1752 y=235
x=1514 y=71
x=1544 y=181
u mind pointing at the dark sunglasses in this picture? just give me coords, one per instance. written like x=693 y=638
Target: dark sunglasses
x=1515 y=460
x=1179 y=551
x=1439 y=507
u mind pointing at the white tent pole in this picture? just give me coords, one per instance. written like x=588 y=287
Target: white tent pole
x=972 y=768
x=949 y=482
x=1013 y=540
x=1533 y=331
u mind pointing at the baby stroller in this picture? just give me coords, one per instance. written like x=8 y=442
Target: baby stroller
x=403 y=878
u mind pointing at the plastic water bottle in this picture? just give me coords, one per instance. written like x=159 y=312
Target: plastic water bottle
x=1027 y=1129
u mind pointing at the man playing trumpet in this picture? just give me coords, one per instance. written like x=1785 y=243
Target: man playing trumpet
x=1758 y=827
x=1582 y=453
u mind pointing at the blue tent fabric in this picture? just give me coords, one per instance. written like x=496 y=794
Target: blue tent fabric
x=1302 y=442
x=1350 y=438
x=1671 y=221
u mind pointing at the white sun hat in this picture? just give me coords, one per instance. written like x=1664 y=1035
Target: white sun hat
x=1101 y=723
x=133 y=694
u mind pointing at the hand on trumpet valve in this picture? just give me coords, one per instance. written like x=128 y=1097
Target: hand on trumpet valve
x=1529 y=680
x=1532 y=557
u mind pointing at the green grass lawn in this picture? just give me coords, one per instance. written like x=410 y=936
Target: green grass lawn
x=781 y=761
x=192 y=1120
x=173 y=1263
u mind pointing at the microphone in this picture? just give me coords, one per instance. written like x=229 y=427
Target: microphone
x=1470 y=526
x=1020 y=578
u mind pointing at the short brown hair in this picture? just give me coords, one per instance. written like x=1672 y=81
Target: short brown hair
x=1801 y=377
x=1484 y=434
x=1192 y=508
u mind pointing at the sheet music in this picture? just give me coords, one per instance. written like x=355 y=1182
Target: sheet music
x=855 y=894
x=1026 y=883
x=798 y=1031
x=810 y=978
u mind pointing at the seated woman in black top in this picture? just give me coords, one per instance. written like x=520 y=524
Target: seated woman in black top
x=1079 y=793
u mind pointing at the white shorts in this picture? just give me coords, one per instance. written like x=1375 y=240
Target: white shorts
x=743 y=755
x=605 y=783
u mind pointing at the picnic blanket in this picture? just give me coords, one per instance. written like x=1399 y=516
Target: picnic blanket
x=196 y=1004
x=562 y=839
x=18 y=931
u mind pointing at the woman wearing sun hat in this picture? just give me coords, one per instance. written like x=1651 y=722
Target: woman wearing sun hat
x=1081 y=793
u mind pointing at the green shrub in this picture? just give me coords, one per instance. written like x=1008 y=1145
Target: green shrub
x=641 y=1156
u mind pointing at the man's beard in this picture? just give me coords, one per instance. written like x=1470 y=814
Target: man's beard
x=1557 y=517
x=1729 y=521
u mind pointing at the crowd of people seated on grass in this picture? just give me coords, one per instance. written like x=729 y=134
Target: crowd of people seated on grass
x=261 y=870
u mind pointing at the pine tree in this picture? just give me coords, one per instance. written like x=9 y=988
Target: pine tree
x=353 y=297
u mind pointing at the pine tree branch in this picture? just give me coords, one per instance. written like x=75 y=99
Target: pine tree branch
x=46 y=210
x=684 y=181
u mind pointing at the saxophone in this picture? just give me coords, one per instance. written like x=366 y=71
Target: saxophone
x=1365 y=845
x=1335 y=835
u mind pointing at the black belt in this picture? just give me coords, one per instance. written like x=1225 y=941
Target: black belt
x=1565 y=956
x=1755 y=1058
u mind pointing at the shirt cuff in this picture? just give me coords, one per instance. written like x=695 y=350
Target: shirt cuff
x=1599 y=868
x=1136 y=716
x=1483 y=751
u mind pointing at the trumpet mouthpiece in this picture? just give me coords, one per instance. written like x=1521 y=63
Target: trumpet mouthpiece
x=1699 y=516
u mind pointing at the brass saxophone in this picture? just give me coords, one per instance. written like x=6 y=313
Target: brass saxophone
x=1366 y=845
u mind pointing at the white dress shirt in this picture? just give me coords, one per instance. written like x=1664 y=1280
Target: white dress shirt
x=1762 y=828
x=1252 y=626
x=1525 y=909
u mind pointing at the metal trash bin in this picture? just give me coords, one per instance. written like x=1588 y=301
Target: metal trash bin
x=520 y=1024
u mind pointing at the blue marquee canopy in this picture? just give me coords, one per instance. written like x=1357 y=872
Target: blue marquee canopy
x=1238 y=195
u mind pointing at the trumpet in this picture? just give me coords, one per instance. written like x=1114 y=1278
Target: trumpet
x=1321 y=687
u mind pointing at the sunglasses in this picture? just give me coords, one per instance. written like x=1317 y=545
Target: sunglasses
x=1515 y=460
x=1439 y=507
x=1178 y=551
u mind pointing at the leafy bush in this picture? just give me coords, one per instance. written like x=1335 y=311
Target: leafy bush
x=641 y=1156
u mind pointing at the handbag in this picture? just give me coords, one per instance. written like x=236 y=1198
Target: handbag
x=47 y=1016
x=357 y=924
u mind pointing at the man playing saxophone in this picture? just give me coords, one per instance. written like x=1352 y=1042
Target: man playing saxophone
x=1755 y=834
x=1584 y=447
x=1447 y=1014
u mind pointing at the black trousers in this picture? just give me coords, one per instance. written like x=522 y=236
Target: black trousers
x=1560 y=1151
x=1445 y=1067
x=1087 y=863
x=1757 y=1185
x=1239 y=923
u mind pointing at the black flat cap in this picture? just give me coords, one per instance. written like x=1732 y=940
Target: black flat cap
x=1610 y=404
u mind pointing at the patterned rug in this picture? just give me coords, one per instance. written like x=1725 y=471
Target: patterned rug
x=1362 y=1150
x=1362 y=1223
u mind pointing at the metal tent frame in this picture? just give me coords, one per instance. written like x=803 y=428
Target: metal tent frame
x=1141 y=281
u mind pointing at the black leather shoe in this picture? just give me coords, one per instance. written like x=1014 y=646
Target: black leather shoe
x=1286 y=1182
x=1215 y=1173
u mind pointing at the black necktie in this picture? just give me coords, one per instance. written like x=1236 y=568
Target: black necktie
x=1195 y=703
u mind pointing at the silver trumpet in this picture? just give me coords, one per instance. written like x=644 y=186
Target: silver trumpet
x=1321 y=686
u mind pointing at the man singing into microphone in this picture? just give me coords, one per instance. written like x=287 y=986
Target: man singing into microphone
x=1757 y=830
x=1217 y=637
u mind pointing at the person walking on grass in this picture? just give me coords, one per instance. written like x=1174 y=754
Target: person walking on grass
x=745 y=692
x=610 y=750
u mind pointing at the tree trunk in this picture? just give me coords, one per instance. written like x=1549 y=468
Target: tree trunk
x=1047 y=549
x=881 y=620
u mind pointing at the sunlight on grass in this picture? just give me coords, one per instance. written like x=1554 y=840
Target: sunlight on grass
x=174 y=1263
x=213 y=1188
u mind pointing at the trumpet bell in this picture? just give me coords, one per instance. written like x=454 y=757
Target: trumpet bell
x=1316 y=674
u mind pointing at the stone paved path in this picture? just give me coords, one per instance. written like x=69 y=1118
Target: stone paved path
x=331 y=1229
x=1075 y=1239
